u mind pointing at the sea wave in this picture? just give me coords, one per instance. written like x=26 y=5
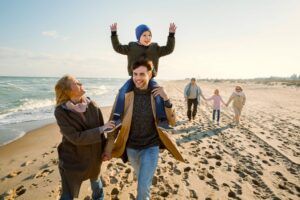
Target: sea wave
x=10 y=86
x=28 y=110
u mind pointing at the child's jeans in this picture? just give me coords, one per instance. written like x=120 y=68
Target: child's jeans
x=218 y=115
x=127 y=87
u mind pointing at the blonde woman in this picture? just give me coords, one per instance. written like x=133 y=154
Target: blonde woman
x=239 y=99
x=81 y=149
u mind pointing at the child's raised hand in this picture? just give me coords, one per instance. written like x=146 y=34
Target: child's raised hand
x=113 y=27
x=172 y=28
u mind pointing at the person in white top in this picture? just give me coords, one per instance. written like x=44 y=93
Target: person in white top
x=239 y=99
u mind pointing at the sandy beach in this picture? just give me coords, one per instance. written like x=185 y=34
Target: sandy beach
x=260 y=159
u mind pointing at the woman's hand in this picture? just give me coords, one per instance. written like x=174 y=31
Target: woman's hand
x=172 y=28
x=106 y=156
x=160 y=91
x=113 y=27
x=109 y=125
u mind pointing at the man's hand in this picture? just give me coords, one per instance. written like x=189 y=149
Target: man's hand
x=172 y=28
x=106 y=156
x=113 y=27
x=161 y=92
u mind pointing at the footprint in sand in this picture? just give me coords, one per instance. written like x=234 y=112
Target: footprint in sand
x=114 y=193
x=177 y=171
x=231 y=194
x=45 y=154
x=54 y=161
x=26 y=163
x=44 y=173
x=13 y=174
x=14 y=193
x=113 y=180
x=193 y=194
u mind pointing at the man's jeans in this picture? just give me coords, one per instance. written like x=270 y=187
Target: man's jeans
x=144 y=162
x=97 y=190
x=191 y=102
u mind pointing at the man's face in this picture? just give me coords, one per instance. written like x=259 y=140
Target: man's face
x=193 y=82
x=141 y=77
x=145 y=38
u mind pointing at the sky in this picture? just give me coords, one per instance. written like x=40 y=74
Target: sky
x=214 y=38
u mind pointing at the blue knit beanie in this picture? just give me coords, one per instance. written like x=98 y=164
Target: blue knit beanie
x=139 y=30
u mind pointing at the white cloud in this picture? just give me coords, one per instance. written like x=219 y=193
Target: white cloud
x=55 y=35
x=52 y=34
x=29 y=63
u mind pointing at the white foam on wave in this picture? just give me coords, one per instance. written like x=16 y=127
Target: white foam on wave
x=29 y=110
x=30 y=104
x=12 y=86
x=95 y=91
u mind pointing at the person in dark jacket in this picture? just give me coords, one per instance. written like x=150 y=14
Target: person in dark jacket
x=80 y=152
x=141 y=49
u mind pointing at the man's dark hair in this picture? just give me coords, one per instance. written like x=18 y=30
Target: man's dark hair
x=143 y=62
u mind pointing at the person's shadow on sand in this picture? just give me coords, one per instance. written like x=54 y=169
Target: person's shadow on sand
x=195 y=134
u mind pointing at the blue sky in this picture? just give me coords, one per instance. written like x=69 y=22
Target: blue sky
x=215 y=39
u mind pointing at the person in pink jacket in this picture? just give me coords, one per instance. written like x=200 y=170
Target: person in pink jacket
x=217 y=99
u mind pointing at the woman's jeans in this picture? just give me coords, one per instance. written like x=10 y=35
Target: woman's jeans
x=97 y=190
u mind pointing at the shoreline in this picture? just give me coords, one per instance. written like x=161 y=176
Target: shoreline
x=30 y=134
x=24 y=128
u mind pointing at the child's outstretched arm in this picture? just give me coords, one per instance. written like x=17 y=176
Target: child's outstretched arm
x=169 y=48
x=244 y=100
x=210 y=98
x=222 y=101
x=118 y=47
x=202 y=96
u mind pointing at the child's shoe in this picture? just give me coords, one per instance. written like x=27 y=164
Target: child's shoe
x=164 y=125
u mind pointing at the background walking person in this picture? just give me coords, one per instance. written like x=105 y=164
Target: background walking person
x=192 y=93
x=239 y=99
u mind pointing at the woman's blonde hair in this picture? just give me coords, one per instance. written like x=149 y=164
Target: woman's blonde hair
x=63 y=89
x=238 y=88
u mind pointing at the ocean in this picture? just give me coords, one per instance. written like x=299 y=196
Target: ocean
x=27 y=103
